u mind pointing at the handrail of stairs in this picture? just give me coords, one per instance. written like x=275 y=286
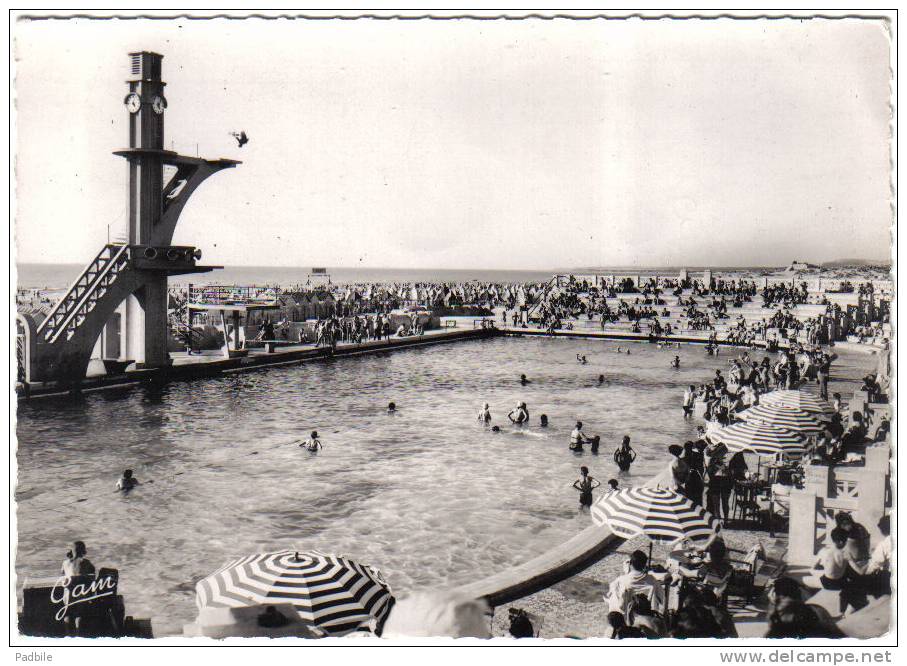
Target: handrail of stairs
x=72 y=287
x=83 y=300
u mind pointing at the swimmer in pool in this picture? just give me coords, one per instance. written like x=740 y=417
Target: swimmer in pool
x=689 y=400
x=543 y=420
x=485 y=413
x=585 y=485
x=624 y=455
x=391 y=407
x=676 y=362
x=127 y=482
x=312 y=443
x=523 y=380
x=520 y=414
x=578 y=437
x=593 y=444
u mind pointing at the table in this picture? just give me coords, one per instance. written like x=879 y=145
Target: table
x=684 y=563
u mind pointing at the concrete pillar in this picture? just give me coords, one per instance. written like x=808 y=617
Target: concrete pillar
x=155 y=302
x=871 y=493
x=878 y=458
x=132 y=329
x=801 y=544
x=817 y=480
x=225 y=349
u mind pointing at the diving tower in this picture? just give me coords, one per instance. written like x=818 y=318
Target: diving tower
x=128 y=279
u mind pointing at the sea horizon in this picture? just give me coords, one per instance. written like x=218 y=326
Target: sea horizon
x=48 y=275
x=33 y=275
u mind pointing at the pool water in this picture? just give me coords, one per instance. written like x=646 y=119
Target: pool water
x=428 y=495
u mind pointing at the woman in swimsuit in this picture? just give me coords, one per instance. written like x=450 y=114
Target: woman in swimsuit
x=624 y=455
x=485 y=414
x=585 y=485
x=522 y=414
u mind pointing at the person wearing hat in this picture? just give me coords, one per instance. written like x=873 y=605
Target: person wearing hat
x=312 y=443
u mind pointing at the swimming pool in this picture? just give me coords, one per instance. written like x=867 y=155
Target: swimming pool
x=428 y=495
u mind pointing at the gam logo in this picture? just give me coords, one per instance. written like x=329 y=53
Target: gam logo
x=67 y=594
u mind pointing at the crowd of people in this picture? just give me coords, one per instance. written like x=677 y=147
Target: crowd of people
x=702 y=307
x=701 y=469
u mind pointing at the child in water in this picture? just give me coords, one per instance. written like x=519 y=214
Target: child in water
x=391 y=407
x=127 y=482
x=585 y=485
x=543 y=420
x=624 y=455
x=676 y=362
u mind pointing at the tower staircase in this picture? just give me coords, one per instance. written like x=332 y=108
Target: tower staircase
x=83 y=295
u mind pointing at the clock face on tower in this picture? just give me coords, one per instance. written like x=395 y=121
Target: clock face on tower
x=133 y=103
x=158 y=103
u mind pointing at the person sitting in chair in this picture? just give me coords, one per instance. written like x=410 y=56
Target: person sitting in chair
x=637 y=580
x=716 y=573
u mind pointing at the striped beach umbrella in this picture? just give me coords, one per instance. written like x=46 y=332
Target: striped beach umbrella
x=333 y=593
x=782 y=417
x=760 y=438
x=658 y=513
x=797 y=400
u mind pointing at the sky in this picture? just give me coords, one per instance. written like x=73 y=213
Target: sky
x=472 y=144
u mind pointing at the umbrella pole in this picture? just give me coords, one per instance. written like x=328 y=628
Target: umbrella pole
x=650 y=555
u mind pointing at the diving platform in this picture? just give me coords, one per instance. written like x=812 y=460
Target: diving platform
x=121 y=296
